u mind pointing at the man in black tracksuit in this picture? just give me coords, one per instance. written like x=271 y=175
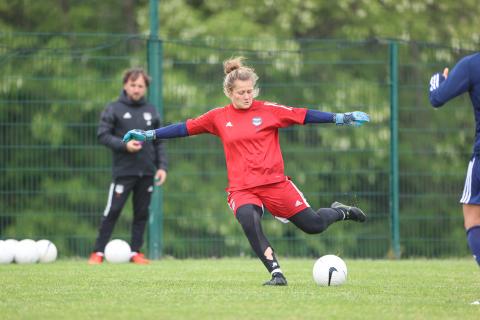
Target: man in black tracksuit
x=135 y=165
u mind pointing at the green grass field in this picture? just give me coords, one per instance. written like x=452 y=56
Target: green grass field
x=231 y=289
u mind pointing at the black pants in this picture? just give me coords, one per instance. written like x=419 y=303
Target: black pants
x=308 y=220
x=120 y=189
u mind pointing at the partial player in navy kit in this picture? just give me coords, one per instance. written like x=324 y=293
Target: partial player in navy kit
x=465 y=77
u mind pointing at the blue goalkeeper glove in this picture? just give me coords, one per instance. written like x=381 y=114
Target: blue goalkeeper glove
x=139 y=135
x=436 y=80
x=355 y=118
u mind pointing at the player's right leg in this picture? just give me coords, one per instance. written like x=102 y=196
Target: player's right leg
x=117 y=196
x=471 y=207
x=249 y=216
x=471 y=214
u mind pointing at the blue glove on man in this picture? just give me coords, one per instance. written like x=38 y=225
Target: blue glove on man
x=355 y=118
x=139 y=135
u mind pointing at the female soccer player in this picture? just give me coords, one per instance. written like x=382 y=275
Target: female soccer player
x=248 y=129
x=465 y=77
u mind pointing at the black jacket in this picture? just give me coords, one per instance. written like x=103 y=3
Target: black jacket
x=117 y=119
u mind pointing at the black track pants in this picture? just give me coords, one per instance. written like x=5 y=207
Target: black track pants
x=120 y=189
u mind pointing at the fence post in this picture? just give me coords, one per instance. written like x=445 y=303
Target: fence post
x=154 y=58
x=394 y=177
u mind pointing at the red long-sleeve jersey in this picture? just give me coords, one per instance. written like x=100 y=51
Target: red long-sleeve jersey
x=250 y=140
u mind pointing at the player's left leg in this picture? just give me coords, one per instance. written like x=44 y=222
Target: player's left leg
x=286 y=201
x=313 y=222
x=142 y=193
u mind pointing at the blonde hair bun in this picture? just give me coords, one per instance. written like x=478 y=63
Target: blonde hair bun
x=232 y=64
x=235 y=70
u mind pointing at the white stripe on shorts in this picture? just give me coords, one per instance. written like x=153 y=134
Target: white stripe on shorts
x=300 y=193
x=109 y=201
x=467 y=189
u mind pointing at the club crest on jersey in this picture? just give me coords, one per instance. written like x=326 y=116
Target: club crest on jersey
x=256 y=121
x=148 y=118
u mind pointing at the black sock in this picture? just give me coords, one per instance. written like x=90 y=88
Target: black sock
x=331 y=214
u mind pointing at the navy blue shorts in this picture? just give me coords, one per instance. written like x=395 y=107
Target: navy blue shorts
x=471 y=190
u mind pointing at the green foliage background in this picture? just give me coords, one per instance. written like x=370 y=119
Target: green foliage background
x=61 y=62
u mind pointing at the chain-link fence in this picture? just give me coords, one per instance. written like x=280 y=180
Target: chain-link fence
x=55 y=175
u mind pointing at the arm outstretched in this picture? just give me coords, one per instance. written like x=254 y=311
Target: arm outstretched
x=355 y=118
x=171 y=131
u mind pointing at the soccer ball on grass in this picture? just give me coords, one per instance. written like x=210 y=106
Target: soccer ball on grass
x=118 y=251
x=47 y=251
x=329 y=270
x=7 y=252
x=26 y=252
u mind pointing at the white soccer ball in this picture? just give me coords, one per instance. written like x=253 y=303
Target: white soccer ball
x=12 y=243
x=329 y=270
x=26 y=252
x=47 y=251
x=118 y=251
x=7 y=252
